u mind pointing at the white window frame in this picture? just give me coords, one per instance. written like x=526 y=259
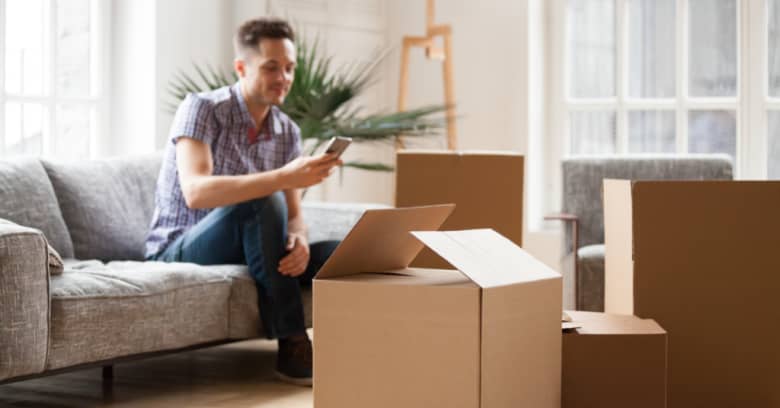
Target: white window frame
x=757 y=75
x=749 y=61
x=99 y=100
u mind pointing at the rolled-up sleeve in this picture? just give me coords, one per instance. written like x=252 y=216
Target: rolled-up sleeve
x=194 y=119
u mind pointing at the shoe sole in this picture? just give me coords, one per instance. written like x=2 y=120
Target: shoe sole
x=303 y=382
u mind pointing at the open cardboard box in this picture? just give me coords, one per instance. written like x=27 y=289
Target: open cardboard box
x=387 y=335
x=701 y=259
x=486 y=186
x=613 y=361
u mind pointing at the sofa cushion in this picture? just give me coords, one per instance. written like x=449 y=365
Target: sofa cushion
x=102 y=311
x=27 y=199
x=107 y=204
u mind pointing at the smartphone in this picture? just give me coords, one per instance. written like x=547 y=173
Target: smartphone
x=337 y=145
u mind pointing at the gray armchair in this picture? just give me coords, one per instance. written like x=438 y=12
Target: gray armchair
x=584 y=215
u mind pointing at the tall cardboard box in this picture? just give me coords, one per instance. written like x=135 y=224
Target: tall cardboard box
x=487 y=188
x=613 y=361
x=386 y=335
x=701 y=258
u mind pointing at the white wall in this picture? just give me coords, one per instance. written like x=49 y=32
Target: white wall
x=243 y=10
x=150 y=42
x=543 y=239
x=189 y=31
x=489 y=50
x=133 y=77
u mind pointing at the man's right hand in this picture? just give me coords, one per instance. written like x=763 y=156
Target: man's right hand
x=307 y=171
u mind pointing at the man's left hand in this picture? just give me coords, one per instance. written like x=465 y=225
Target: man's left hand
x=297 y=258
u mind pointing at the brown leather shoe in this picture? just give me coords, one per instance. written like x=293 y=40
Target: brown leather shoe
x=294 y=361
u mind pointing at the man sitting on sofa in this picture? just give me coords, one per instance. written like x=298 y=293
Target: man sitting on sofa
x=228 y=191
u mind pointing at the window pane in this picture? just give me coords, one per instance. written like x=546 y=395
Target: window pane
x=73 y=47
x=592 y=132
x=713 y=48
x=74 y=124
x=773 y=152
x=13 y=124
x=651 y=132
x=774 y=48
x=591 y=45
x=651 y=50
x=24 y=124
x=713 y=132
x=25 y=50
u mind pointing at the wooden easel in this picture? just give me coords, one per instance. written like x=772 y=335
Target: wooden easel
x=436 y=53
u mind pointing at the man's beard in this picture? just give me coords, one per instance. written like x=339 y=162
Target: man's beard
x=272 y=101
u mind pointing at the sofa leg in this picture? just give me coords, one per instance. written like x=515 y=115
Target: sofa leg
x=108 y=372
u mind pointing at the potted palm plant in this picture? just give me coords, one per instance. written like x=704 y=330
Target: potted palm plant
x=322 y=102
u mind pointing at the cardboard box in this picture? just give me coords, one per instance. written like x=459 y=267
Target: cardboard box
x=487 y=188
x=387 y=335
x=613 y=361
x=701 y=259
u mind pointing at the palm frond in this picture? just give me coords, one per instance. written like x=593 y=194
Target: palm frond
x=207 y=78
x=369 y=166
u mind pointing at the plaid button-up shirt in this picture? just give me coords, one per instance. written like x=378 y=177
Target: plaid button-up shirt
x=221 y=120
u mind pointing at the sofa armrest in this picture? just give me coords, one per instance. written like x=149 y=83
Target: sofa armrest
x=570 y=220
x=24 y=301
x=561 y=217
x=333 y=221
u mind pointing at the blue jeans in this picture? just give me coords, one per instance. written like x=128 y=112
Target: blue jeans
x=254 y=233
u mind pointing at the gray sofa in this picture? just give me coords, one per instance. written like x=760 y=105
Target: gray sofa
x=582 y=200
x=109 y=305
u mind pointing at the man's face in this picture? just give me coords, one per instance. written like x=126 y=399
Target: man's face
x=267 y=75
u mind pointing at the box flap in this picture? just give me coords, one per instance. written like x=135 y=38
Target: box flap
x=594 y=323
x=486 y=257
x=380 y=241
x=618 y=243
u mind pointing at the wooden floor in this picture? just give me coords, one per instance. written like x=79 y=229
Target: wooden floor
x=234 y=375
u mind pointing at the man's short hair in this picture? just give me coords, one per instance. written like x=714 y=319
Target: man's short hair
x=250 y=33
